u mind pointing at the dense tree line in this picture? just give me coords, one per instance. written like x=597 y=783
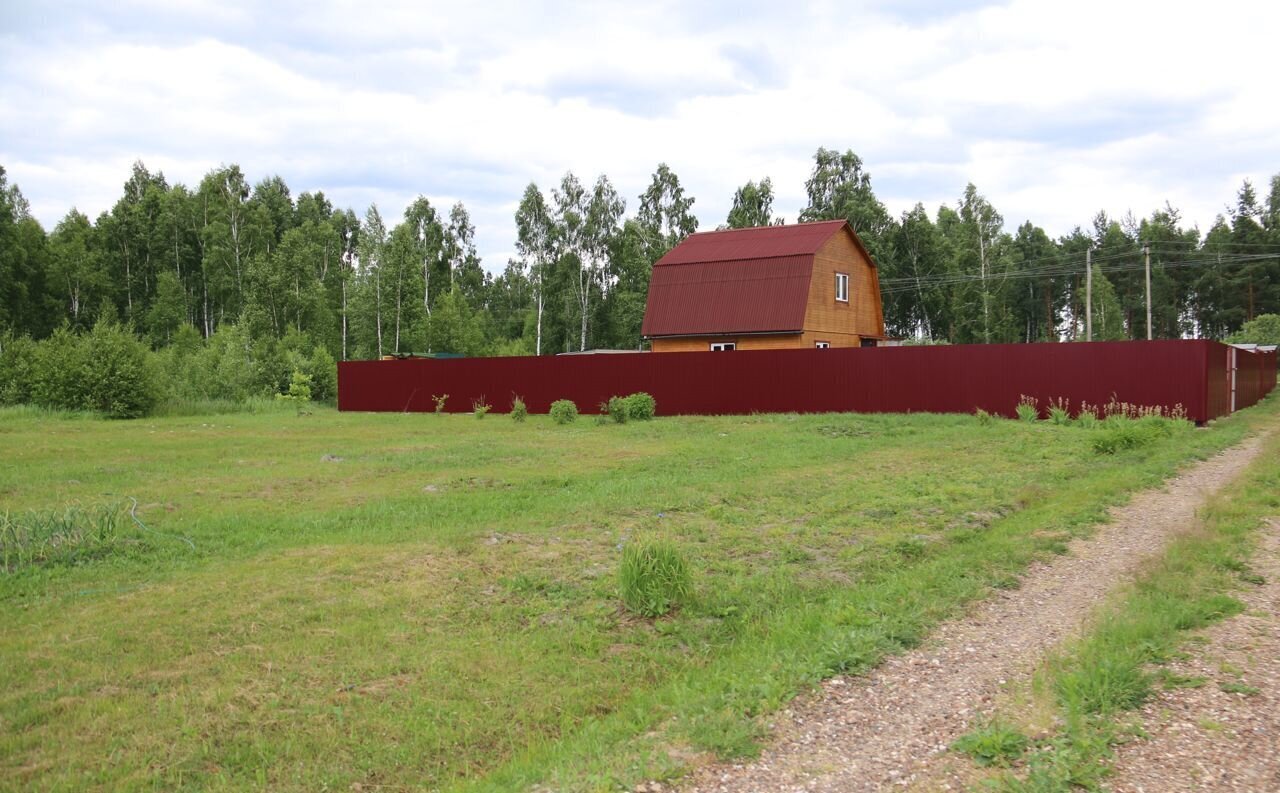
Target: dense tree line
x=230 y=265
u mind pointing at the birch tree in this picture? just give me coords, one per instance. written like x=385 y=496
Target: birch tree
x=373 y=243
x=536 y=243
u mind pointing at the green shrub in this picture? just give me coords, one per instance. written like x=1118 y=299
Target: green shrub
x=519 y=411
x=17 y=369
x=984 y=418
x=55 y=381
x=479 y=407
x=640 y=406
x=299 y=391
x=617 y=410
x=108 y=370
x=563 y=411
x=120 y=378
x=323 y=370
x=602 y=414
x=654 y=577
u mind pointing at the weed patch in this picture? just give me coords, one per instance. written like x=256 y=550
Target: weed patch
x=995 y=743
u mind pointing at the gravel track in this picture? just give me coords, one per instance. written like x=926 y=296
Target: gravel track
x=891 y=729
x=1208 y=738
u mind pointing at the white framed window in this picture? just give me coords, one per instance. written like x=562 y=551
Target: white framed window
x=723 y=346
x=842 y=287
x=822 y=345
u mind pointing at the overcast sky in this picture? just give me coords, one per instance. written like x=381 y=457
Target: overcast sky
x=1054 y=110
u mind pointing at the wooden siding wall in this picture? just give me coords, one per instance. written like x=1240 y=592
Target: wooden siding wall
x=843 y=324
x=779 y=341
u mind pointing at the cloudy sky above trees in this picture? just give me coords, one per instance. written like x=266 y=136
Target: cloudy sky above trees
x=1054 y=110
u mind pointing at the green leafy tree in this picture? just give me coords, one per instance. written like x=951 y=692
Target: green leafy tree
x=840 y=189
x=455 y=327
x=1262 y=329
x=25 y=305
x=664 y=216
x=76 y=268
x=168 y=310
x=371 y=257
x=752 y=206
x=536 y=241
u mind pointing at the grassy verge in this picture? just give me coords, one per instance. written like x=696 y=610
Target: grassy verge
x=433 y=601
x=1085 y=693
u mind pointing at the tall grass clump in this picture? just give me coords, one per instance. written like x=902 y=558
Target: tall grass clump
x=60 y=536
x=563 y=411
x=519 y=410
x=1059 y=412
x=1028 y=409
x=653 y=577
x=1121 y=434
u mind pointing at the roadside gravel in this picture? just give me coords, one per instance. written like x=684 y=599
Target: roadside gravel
x=891 y=729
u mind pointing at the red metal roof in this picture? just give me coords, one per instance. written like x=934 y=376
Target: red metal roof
x=742 y=296
x=737 y=281
x=764 y=242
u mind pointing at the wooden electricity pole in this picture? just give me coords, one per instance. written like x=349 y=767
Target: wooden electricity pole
x=1146 y=252
x=1088 y=295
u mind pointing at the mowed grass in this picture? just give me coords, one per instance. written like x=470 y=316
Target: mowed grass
x=421 y=601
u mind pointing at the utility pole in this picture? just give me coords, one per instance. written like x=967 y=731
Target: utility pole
x=1088 y=294
x=1146 y=252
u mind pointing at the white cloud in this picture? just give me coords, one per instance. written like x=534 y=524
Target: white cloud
x=1054 y=111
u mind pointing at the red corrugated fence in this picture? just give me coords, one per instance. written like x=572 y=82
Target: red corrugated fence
x=942 y=379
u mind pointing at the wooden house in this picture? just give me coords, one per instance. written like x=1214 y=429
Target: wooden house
x=773 y=287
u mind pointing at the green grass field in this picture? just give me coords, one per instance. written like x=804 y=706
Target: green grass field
x=348 y=601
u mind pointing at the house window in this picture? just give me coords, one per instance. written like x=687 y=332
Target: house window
x=842 y=287
x=723 y=346
x=822 y=345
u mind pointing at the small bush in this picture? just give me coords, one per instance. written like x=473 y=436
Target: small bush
x=479 y=407
x=323 y=371
x=17 y=369
x=654 y=577
x=519 y=411
x=299 y=393
x=563 y=411
x=440 y=400
x=1028 y=409
x=640 y=406
x=617 y=409
x=602 y=414
x=984 y=418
